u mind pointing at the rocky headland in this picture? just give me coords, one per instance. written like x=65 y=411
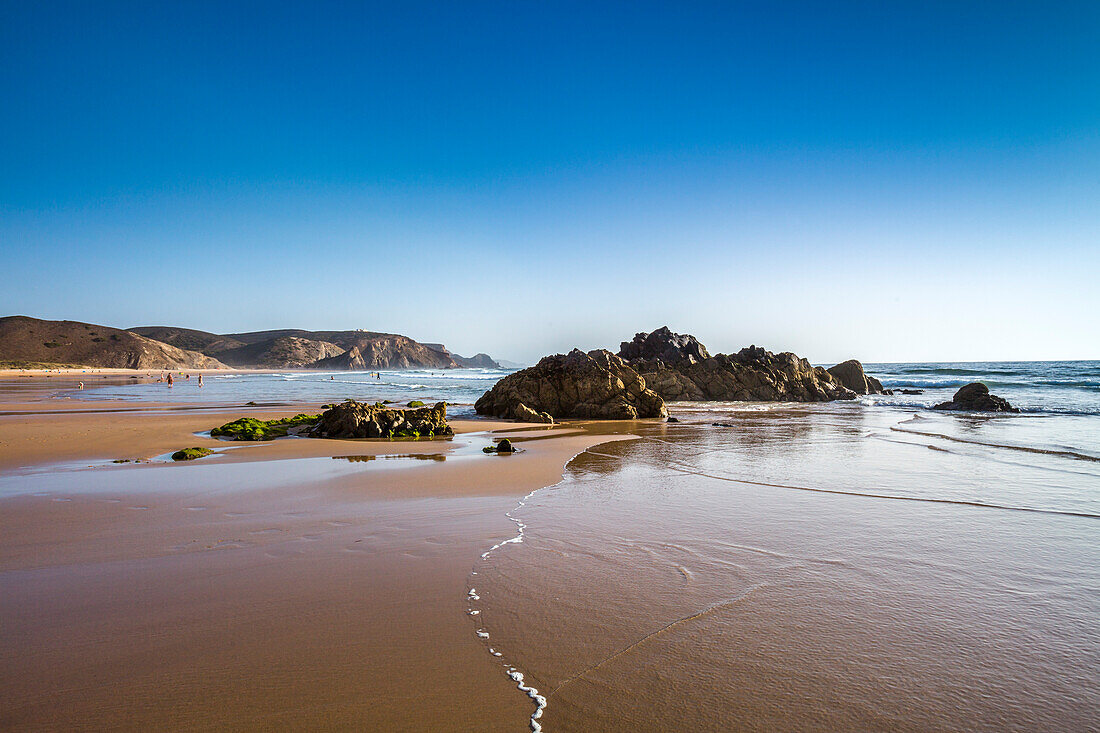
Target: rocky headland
x=300 y=349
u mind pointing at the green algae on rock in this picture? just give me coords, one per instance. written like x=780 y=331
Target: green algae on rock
x=250 y=428
x=353 y=419
x=190 y=454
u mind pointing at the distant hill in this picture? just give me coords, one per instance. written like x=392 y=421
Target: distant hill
x=25 y=339
x=297 y=348
x=187 y=338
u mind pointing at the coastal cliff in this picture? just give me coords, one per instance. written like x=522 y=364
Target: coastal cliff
x=297 y=348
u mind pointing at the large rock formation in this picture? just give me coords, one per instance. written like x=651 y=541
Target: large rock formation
x=671 y=348
x=353 y=419
x=850 y=373
x=523 y=413
x=678 y=368
x=24 y=339
x=596 y=385
x=975 y=397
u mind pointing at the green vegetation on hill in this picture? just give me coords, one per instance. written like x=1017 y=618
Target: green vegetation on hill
x=249 y=428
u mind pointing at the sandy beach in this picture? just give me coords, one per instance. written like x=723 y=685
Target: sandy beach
x=268 y=587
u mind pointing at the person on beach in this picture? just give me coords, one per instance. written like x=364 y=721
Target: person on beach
x=169 y=379
x=200 y=380
x=81 y=385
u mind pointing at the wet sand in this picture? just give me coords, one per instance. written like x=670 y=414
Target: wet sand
x=269 y=587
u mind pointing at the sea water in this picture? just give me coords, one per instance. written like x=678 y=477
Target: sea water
x=460 y=388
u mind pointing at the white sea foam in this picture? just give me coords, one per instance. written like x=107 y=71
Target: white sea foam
x=540 y=701
x=515 y=674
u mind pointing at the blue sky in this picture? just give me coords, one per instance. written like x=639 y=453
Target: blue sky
x=839 y=179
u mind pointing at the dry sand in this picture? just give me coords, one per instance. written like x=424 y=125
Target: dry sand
x=269 y=588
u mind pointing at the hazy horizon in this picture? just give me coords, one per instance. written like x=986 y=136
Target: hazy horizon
x=892 y=185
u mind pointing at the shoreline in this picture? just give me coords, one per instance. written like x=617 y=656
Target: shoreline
x=272 y=585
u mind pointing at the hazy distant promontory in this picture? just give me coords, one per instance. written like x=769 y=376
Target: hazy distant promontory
x=25 y=340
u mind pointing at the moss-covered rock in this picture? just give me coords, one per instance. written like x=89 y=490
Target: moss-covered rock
x=359 y=420
x=416 y=403
x=190 y=454
x=250 y=428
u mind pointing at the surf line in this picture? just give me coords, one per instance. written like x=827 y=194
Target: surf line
x=685 y=469
x=1042 y=451
x=472 y=596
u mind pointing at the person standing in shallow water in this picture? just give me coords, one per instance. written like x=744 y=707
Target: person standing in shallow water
x=170 y=379
x=200 y=380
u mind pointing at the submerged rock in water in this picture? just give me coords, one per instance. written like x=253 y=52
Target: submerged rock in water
x=850 y=373
x=752 y=374
x=596 y=385
x=353 y=419
x=975 y=397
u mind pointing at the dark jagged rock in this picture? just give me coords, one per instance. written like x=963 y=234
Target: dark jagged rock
x=975 y=397
x=752 y=374
x=596 y=385
x=850 y=373
x=910 y=391
x=353 y=419
x=664 y=345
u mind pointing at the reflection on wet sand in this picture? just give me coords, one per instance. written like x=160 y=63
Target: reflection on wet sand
x=799 y=572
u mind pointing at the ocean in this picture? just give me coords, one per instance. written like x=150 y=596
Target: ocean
x=460 y=388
